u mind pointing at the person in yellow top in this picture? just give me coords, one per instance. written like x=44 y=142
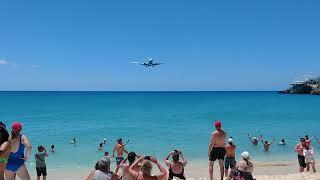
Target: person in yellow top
x=120 y=150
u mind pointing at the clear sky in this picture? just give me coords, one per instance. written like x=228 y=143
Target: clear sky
x=205 y=45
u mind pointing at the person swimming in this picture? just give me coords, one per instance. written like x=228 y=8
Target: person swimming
x=282 y=142
x=52 y=148
x=104 y=141
x=266 y=144
x=73 y=141
x=254 y=140
x=101 y=146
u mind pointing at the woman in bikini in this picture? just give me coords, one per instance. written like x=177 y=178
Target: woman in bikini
x=4 y=149
x=176 y=168
x=17 y=156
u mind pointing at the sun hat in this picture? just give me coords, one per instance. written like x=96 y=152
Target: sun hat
x=16 y=126
x=245 y=155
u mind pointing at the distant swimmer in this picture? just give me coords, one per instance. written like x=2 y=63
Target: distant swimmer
x=266 y=144
x=282 y=142
x=73 y=141
x=52 y=148
x=101 y=146
x=255 y=140
x=104 y=141
x=120 y=150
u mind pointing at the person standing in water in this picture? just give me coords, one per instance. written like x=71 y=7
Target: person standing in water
x=216 y=150
x=254 y=140
x=41 y=163
x=52 y=148
x=230 y=160
x=4 y=149
x=120 y=150
x=299 y=150
x=266 y=144
x=16 y=163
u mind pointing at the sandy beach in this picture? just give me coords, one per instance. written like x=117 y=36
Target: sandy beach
x=195 y=171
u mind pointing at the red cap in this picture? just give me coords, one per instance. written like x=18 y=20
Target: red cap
x=217 y=123
x=16 y=126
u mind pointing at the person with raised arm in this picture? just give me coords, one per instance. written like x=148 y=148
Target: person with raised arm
x=266 y=144
x=254 y=140
x=176 y=167
x=146 y=169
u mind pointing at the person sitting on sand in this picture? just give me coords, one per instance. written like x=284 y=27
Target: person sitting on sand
x=5 y=149
x=41 y=163
x=308 y=154
x=120 y=150
x=217 y=149
x=102 y=171
x=176 y=167
x=230 y=160
x=254 y=140
x=266 y=144
x=299 y=150
x=17 y=158
x=146 y=169
x=125 y=167
x=243 y=169
x=282 y=142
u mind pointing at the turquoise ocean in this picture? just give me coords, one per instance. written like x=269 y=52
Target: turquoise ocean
x=158 y=122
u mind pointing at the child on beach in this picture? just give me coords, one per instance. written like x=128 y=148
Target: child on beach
x=40 y=162
x=308 y=154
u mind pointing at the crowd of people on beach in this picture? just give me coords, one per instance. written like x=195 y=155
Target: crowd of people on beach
x=15 y=150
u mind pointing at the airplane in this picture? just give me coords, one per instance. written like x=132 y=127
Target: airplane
x=150 y=62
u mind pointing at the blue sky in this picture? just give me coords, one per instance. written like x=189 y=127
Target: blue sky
x=206 y=45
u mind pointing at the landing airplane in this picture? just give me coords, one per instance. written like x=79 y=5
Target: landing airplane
x=150 y=62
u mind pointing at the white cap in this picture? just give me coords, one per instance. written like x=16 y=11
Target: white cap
x=245 y=155
x=230 y=140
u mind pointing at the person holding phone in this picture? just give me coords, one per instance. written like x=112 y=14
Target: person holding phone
x=41 y=163
x=146 y=168
x=125 y=166
x=176 y=167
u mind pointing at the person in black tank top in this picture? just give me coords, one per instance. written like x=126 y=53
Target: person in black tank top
x=176 y=165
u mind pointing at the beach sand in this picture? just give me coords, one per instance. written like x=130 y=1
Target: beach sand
x=199 y=171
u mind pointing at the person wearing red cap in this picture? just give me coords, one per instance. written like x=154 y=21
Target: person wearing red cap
x=18 y=156
x=217 y=149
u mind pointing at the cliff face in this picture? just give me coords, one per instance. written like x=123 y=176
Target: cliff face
x=303 y=89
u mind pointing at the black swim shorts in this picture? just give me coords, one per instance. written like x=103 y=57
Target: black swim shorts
x=119 y=160
x=229 y=162
x=41 y=171
x=302 y=161
x=217 y=153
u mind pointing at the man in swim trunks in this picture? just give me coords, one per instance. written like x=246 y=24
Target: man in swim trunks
x=230 y=160
x=217 y=149
x=299 y=150
x=17 y=158
x=254 y=140
x=120 y=150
